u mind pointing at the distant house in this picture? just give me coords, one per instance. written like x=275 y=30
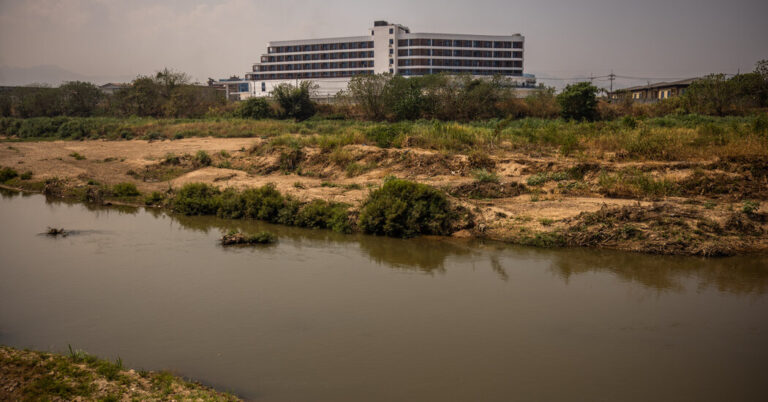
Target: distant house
x=111 y=88
x=654 y=92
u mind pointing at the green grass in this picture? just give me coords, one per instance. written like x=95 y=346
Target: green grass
x=633 y=183
x=541 y=178
x=7 y=173
x=663 y=138
x=125 y=190
x=484 y=176
x=39 y=376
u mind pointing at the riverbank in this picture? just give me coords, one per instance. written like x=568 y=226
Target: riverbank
x=706 y=202
x=32 y=375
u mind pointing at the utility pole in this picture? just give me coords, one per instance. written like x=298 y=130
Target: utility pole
x=612 y=77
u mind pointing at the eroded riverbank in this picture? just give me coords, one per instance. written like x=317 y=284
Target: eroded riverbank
x=696 y=207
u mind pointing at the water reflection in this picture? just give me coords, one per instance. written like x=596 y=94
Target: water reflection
x=737 y=275
x=746 y=275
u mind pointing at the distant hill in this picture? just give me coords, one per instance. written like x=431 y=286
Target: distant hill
x=51 y=75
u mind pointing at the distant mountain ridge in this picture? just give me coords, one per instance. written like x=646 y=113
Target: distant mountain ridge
x=51 y=75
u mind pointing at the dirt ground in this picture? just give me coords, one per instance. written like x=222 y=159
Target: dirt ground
x=571 y=206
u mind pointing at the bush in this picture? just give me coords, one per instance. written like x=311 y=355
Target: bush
x=382 y=135
x=196 y=199
x=291 y=158
x=295 y=100
x=578 y=102
x=263 y=203
x=125 y=190
x=234 y=238
x=484 y=176
x=7 y=173
x=154 y=198
x=254 y=108
x=320 y=214
x=402 y=208
x=202 y=159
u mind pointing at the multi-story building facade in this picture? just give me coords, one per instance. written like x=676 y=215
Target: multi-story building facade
x=390 y=48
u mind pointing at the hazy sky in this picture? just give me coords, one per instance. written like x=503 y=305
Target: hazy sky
x=207 y=38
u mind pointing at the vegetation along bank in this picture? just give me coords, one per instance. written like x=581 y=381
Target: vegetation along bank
x=678 y=184
x=31 y=376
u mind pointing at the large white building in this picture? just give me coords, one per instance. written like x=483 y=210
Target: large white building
x=389 y=48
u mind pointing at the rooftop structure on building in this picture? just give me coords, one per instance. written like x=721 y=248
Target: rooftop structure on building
x=387 y=48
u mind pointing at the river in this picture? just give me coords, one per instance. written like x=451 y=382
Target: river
x=321 y=316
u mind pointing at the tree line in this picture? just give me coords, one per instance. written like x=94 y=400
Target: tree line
x=165 y=94
x=383 y=97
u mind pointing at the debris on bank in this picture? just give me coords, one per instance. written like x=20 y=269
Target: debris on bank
x=55 y=232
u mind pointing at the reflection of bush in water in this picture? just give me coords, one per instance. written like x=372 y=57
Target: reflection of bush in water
x=737 y=275
x=93 y=207
x=8 y=194
x=426 y=255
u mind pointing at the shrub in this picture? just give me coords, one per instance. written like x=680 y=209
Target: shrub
x=760 y=125
x=202 y=159
x=263 y=203
x=7 y=173
x=295 y=100
x=154 y=198
x=402 y=208
x=750 y=207
x=77 y=156
x=254 y=108
x=544 y=177
x=125 y=190
x=320 y=214
x=484 y=176
x=171 y=159
x=480 y=160
x=290 y=158
x=26 y=175
x=578 y=102
x=196 y=199
x=382 y=135
x=234 y=238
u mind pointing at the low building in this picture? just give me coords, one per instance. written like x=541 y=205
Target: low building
x=111 y=88
x=654 y=92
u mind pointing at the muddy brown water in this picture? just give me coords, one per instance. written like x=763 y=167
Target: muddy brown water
x=326 y=317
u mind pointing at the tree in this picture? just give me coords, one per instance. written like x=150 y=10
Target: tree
x=295 y=100
x=170 y=80
x=712 y=94
x=79 y=98
x=542 y=103
x=369 y=91
x=405 y=98
x=578 y=101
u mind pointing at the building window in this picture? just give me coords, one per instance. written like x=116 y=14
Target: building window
x=391 y=41
x=391 y=61
x=391 y=31
x=391 y=51
x=263 y=87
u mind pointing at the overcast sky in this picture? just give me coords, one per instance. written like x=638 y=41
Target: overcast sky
x=206 y=38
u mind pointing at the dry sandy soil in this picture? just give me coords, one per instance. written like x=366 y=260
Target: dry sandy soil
x=705 y=218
